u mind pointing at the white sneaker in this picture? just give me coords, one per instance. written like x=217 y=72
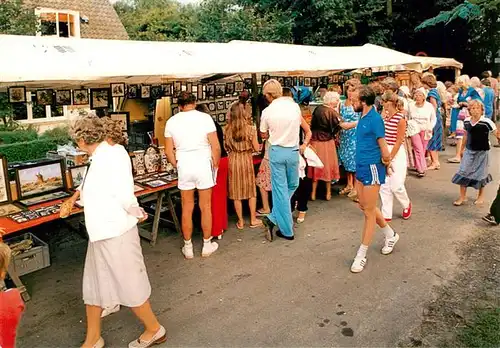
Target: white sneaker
x=358 y=264
x=187 y=250
x=110 y=310
x=209 y=249
x=389 y=244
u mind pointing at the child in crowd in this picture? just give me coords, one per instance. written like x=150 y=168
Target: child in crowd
x=11 y=304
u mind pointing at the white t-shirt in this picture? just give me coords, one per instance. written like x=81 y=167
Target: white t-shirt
x=282 y=120
x=425 y=116
x=189 y=131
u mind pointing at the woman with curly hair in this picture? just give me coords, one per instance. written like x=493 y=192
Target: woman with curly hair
x=114 y=272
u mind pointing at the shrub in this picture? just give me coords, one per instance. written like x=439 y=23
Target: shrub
x=11 y=137
x=61 y=132
x=30 y=150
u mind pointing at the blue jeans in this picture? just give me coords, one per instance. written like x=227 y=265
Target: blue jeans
x=284 y=163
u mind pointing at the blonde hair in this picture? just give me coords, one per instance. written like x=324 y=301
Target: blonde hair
x=88 y=128
x=5 y=254
x=475 y=82
x=390 y=96
x=114 y=131
x=273 y=88
x=474 y=102
x=330 y=97
x=465 y=79
x=429 y=80
x=237 y=126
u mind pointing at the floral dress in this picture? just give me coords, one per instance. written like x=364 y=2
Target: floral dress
x=347 y=151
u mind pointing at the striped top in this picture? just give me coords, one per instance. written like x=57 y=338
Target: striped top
x=391 y=128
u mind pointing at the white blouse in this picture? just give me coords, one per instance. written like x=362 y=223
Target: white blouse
x=425 y=115
x=107 y=193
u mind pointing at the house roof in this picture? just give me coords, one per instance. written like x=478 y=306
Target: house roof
x=104 y=22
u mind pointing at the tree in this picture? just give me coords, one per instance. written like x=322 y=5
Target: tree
x=15 y=19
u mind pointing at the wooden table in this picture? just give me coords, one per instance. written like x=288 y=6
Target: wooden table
x=147 y=195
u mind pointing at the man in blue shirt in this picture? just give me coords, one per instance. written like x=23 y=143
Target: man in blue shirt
x=489 y=98
x=372 y=157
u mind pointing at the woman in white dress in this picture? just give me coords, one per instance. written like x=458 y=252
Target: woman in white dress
x=114 y=272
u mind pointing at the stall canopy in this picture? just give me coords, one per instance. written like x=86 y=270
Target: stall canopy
x=48 y=61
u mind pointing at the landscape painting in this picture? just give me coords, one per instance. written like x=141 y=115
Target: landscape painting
x=39 y=179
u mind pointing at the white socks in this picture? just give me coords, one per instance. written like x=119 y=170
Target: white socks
x=188 y=243
x=207 y=240
x=362 y=251
x=388 y=232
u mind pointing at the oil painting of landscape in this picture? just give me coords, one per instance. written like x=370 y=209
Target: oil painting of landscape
x=40 y=179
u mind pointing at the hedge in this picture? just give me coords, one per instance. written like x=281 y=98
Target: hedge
x=30 y=150
x=11 y=137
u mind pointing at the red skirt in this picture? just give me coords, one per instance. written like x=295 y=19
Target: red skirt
x=327 y=153
x=219 y=199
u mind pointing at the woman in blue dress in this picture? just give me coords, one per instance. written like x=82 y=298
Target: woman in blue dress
x=436 y=142
x=347 y=150
x=466 y=93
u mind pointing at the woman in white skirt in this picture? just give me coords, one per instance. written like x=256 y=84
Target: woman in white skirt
x=395 y=129
x=114 y=272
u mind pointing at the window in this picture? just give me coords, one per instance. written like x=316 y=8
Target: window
x=58 y=23
x=32 y=112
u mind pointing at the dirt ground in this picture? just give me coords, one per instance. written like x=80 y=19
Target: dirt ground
x=296 y=294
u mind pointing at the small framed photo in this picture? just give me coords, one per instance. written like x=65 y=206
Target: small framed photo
x=81 y=97
x=281 y=80
x=264 y=78
x=40 y=178
x=133 y=92
x=177 y=88
x=239 y=86
x=118 y=90
x=230 y=88
x=335 y=78
x=220 y=105
x=167 y=90
x=175 y=100
x=211 y=91
x=156 y=92
x=189 y=87
x=145 y=91
x=123 y=117
x=248 y=83
x=295 y=80
x=63 y=97
x=175 y=111
x=301 y=80
x=155 y=183
x=307 y=81
x=288 y=82
x=45 y=97
x=17 y=95
x=211 y=106
x=77 y=175
x=199 y=92
x=138 y=188
x=220 y=90
x=11 y=208
x=314 y=82
x=228 y=104
x=183 y=87
x=100 y=98
x=221 y=118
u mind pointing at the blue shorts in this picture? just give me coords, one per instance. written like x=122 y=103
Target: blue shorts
x=371 y=174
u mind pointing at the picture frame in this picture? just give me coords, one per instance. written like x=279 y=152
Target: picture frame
x=220 y=105
x=239 y=86
x=183 y=87
x=211 y=106
x=307 y=81
x=288 y=82
x=301 y=80
x=175 y=111
x=199 y=92
x=314 y=82
x=77 y=175
x=138 y=188
x=175 y=100
x=220 y=90
x=145 y=91
x=167 y=90
x=81 y=97
x=17 y=94
x=123 y=117
x=189 y=87
x=155 y=183
x=177 y=88
x=40 y=179
x=45 y=97
x=368 y=72
x=210 y=91
x=63 y=97
x=5 y=194
x=295 y=80
x=230 y=88
x=156 y=92
x=10 y=209
x=133 y=92
x=281 y=80
x=264 y=78
x=100 y=98
x=221 y=118
x=117 y=90
x=228 y=104
x=248 y=83
x=28 y=202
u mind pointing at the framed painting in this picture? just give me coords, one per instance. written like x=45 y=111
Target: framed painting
x=239 y=86
x=314 y=82
x=288 y=82
x=295 y=80
x=220 y=90
x=17 y=95
x=175 y=111
x=10 y=208
x=77 y=175
x=248 y=83
x=133 y=92
x=167 y=90
x=40 y=179
x=177 y=88
x=264 y=78
x=230 y=88
x=281 y=80
x=118 y=90
x=301 y=80
x=221 y=118
x=211 y=91
x=211 y=106
x=307 y=81
x=156 y=92
x=63 y=97
x=228 y=104
x=100 y=98
x=220 y=105
x=44 y=198
x=189 y=87
x=5 y=195
x=45 y=97
x=123 y=117
x=145 y=91
x=199 y=92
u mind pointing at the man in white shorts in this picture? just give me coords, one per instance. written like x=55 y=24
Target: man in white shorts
x=196 y=156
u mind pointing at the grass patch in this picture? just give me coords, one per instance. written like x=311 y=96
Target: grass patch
x=484 y=331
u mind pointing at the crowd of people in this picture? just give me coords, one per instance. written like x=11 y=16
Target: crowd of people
x=374 y=136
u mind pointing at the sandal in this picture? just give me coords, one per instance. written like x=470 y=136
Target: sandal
x=262 y=212
x=301 y=218
x=240 y=227
x=478 y=202
x=453 y=160
x=436 y=166
x=259 y=224
x=345 y=190
x=458 y=203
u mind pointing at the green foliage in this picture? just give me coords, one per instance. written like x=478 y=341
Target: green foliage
x=61 y=133
x=11 y=137
x=16 y=19
x=30 y=150
x=484 y=331
x=465 y=11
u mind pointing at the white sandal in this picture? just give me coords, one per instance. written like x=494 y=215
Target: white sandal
x=159 y=337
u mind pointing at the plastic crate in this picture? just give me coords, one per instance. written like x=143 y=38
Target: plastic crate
x=37 y=258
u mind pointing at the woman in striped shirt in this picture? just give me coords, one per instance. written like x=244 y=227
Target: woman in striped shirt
x=395 y=129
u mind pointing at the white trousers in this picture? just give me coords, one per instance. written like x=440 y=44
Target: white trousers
x=395 y=184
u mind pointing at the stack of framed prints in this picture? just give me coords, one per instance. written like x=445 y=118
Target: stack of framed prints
x=7 y=207
x=28 y=215
x=41 y=182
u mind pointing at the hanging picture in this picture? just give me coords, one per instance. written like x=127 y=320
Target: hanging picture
x=100 y=98
x=221 y=118
x=123 y=117
x=211 y=91
x=174 y=100
x=167 y=90
x=307 y=81
x=63 y=97
x=335 y=78
x=194 y=89
x=45 y=97
x=301 y=80
x=281 y=80
x=183 y=87
x=228 y=104
x=156 y=92
x=220 y=90
x=314 y=82
x=265 y=78
x=175 y=110
x=80 y=97
x=220 y=105
x=211 y=106
x=17 y=94
x=295 y=80
x=118 y=90
x=189 y=87
x=200 y=92
x=239 y=86
x=288 y=82
x=248 y=83
x=230 y=88
x=133 y=91
x=145 y=91
x=177 y=88
x=4 y=181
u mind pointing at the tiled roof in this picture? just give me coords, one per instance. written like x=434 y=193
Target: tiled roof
x=104 y=23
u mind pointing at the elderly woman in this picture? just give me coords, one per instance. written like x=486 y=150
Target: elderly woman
x=114 y=272
x=423 y=115
x=474 y=168
x=436 y=142
x=324 y=125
